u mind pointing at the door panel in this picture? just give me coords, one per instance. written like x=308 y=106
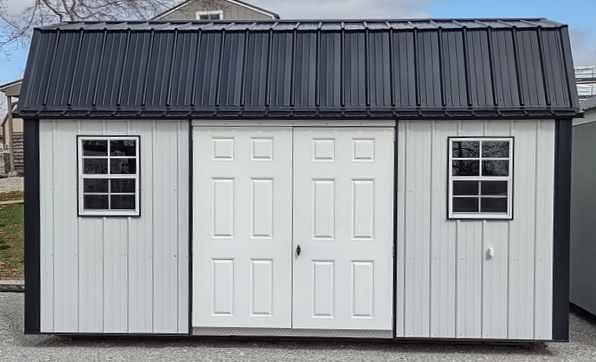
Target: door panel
x=343 y=223
x=242 y=223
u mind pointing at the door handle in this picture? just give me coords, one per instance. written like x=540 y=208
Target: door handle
x=298 y=250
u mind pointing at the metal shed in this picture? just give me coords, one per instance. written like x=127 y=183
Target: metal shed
x=368 y=179
x=583 y=177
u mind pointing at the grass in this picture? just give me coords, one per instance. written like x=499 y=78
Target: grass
x=11 y=237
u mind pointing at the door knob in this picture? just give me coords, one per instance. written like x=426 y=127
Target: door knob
x=298 y=250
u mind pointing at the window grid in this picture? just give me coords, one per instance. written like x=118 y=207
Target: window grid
x=480 y=178
x=109 y=176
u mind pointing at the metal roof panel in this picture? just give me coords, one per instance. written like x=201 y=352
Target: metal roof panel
x=353 y=68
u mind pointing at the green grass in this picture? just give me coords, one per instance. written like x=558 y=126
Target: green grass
x=11 y=241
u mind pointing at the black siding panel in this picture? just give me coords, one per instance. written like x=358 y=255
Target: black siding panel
x=354 y=81
x=379 y=69
x=453 y=62
x=505 y=72
x=479 y=68
x=561 y=231
x=429 y=71
x=32 y=228
x=394 y=69
x=206 y=76
x=305 y=71
x=282 y=63
x=404 y=75
x=256 y=72
x=531 y=68
x=232 y=70
x=330 y=70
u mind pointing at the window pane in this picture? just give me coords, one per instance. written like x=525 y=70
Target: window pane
x=122 y=185
x=494 y=188
x=95 y=185
x=494 y=205
x=465 y=149
x=95 y=166
x=466 y=168
x=95 y=148
x=123 y=166
x=123 y=202
x=123 y=148
x=465 y=187
x=465 y=204
x=95 y=202
x=495 y=168
x=495 y=149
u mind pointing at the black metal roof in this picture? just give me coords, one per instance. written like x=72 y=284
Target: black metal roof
x=253 y=69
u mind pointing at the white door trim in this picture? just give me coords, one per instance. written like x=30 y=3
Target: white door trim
x=296 y=123
x=282 y=332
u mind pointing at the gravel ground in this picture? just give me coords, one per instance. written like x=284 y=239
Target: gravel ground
x=14 y=346
x=11 y=184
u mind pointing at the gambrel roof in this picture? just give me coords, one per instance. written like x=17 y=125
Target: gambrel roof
x=406 y=69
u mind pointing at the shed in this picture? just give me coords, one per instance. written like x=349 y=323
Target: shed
x=367 y=179
x=583 y=199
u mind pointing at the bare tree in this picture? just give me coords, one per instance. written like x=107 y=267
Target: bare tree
x=19 y=26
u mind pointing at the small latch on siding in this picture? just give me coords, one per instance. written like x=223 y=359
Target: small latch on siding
x=490 y=252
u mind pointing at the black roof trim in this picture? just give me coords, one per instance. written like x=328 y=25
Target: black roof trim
x=308 y=25
x=276 y=69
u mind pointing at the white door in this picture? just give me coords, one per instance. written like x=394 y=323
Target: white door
x=343 y=223
x=242 y=227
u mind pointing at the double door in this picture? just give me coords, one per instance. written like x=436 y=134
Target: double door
x=293 y=227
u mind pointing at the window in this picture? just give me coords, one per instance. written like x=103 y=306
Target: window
x=210 y=15
x=108 y=176
x=480 y=178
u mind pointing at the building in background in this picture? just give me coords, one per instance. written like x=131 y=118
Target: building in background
x=216 y=10
x=11 y=132
x=585 y=77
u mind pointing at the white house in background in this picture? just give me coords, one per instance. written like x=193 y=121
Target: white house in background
x=216 y=10
x=585 y=78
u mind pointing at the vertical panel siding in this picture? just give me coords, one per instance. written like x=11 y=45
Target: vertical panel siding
x=544 y=235
x=140 y=244
x=165 y=213
x=91 y=257
x=46 y=216
x=446 y=284
x=66 y=271
x=115 y=275
x=443 y=245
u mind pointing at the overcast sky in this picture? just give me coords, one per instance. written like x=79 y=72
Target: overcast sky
x=580 y=15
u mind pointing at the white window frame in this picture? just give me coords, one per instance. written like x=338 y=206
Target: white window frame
x=479 y=214
x=81 y=190
x=209 y=12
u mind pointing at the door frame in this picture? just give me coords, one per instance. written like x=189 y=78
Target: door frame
x=347 y=333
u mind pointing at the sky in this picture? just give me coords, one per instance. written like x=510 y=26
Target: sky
x=580 y=15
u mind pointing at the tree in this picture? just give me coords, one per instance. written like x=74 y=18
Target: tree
x=19 y=25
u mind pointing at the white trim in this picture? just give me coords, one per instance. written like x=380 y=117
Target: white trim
x=300 y=123
x=280 y=332
x=509 y=178
x=82 y=176
x=209 y=12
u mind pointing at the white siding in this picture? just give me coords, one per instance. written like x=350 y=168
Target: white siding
x=446 y=285
x=107 y=274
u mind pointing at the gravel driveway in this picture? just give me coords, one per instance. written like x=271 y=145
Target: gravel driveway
x=14 y=346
